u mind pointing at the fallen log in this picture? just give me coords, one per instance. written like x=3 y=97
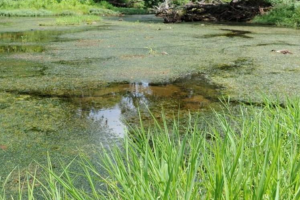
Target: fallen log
x=238 y=12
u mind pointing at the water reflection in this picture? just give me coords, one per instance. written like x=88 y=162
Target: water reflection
x=35 y=40
x=119 y=105
x=110 y=119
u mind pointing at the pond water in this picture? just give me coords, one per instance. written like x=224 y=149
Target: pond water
x=121 y=103
x=70 y=90
x=36 y=121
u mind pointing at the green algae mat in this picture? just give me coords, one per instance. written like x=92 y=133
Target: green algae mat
x=75 y=58
x=67 y=89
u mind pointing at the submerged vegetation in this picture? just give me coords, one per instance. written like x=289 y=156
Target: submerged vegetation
x=247 y=153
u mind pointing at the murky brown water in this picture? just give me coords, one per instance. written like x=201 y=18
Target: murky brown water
x=120 y=104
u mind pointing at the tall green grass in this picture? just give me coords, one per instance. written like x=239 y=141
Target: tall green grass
x=246 y=153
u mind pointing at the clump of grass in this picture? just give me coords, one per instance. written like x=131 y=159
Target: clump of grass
x=252 y=154
x=249 y=154
x=281 y=15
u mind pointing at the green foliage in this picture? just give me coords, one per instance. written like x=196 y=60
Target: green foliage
x=102 y=12
x=281 y=15
x=151 y=3
x=282 y=2
x=25 y=13
x=36 y=8
x=131 y=11
x=45 y=4
x=180 y=2
x=108 y=9
x=139 y=5
x=53 y=7
x=105 y=4
x=249 y=154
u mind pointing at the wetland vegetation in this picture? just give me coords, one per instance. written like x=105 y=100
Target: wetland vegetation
x=127 y=107
x=247 y=153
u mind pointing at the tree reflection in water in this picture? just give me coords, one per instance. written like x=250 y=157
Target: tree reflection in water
x=120 y=104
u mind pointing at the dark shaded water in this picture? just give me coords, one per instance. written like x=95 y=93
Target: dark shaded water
x=230 y=33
